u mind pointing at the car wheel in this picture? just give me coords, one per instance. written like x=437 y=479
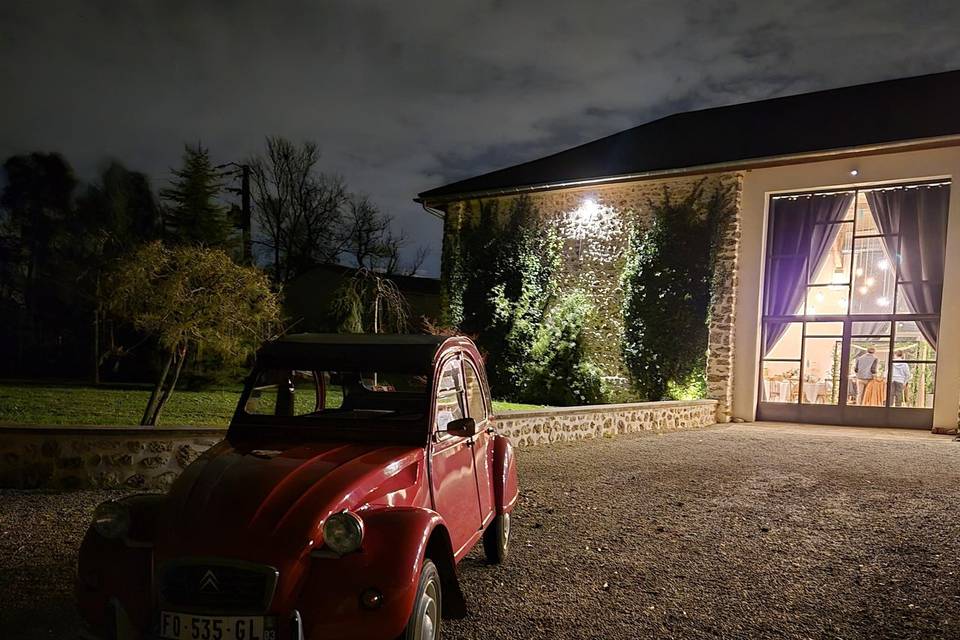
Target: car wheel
x=424 y=622
x=496 y=539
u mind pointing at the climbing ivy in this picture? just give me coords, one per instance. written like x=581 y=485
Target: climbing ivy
x=667 y=281
x=500 y=283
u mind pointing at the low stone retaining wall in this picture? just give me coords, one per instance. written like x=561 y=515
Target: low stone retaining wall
x=150 y=458
x=88 y=457
x=529 y=428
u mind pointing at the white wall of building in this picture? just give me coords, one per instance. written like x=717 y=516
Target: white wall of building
x=760 y=184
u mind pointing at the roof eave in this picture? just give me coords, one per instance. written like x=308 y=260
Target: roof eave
x=751 y=163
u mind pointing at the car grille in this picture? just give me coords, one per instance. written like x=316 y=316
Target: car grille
x=217 y=586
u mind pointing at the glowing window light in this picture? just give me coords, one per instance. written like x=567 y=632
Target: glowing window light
x=859 y=272
x=870 y=282
x=883 y=301
x=863 y=290
x=883 y=265
x=819 y=297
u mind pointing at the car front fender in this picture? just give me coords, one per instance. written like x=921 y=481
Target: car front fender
x=396 y=541
x=115 y=575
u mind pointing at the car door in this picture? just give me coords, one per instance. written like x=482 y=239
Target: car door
x=452 y=474
x=477 y=408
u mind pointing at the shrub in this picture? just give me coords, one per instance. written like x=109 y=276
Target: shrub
x=559 y=372
x=667 y=281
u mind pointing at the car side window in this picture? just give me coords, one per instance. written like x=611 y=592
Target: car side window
x=474 y=389
x=449 y=394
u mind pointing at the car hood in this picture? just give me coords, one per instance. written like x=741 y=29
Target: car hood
x=240 y=497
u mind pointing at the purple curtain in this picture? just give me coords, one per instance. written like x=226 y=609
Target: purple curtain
x=799 y=232
x=919 y=215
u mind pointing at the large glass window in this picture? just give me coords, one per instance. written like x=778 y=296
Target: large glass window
x=851 y=297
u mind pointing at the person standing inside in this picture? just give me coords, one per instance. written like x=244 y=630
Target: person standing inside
x=864 y=370
x=900 y=376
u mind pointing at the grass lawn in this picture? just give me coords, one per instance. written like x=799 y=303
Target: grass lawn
x=79 y=405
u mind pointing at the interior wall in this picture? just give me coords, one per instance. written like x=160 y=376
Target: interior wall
x=760 y=184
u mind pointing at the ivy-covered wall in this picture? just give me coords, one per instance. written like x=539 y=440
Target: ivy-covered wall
x=594 y=227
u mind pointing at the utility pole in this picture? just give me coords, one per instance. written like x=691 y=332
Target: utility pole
x=245 y=213
x=245 y=216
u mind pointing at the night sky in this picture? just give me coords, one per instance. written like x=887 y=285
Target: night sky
x=404 y=95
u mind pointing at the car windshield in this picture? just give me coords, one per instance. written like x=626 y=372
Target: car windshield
x=344 y=398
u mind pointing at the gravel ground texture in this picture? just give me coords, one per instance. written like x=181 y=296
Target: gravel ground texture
x=738 y=531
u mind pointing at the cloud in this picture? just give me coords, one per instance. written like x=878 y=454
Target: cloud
x=403 y=96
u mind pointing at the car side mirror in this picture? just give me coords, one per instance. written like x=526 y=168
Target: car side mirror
x=464 y=427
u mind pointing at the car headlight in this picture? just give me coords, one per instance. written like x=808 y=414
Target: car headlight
x=111 y=520
x=343 y=532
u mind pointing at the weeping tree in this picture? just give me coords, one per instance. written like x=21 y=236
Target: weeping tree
x=370 y=302
x=190 y=298
x=667 y=282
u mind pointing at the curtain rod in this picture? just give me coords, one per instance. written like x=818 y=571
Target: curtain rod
x=794 y=196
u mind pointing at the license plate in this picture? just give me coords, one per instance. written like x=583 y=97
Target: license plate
x=187 y=626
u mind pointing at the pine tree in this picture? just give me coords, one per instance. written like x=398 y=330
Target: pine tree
x=193 y=216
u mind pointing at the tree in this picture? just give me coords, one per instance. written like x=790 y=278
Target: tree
x=193 y=216
x=37 y=204
x=666 y=282
x=38 y=200
x=370 y=302
x=191 y=298
x=115 y=216
x=297 y=207
x=370 y=242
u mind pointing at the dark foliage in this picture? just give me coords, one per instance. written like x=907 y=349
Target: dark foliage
x=56 y=246
x=667 y=283
x=500 y=285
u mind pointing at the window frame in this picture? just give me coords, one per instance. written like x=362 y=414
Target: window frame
x=848 y=318
x=467 y=363
x=442 y=435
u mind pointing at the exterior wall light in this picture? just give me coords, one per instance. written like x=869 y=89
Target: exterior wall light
x=581 y=220
x=586 y=214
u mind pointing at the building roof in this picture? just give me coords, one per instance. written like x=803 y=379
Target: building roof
x=893 y=111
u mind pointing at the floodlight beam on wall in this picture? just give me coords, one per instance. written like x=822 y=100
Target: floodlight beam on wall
x=582 y=220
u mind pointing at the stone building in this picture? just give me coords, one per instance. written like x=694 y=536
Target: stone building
x=838 y=299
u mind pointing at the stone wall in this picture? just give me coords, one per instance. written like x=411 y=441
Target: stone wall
x=92 y=457
x=723 y=305
x=530 y=428
x=150 y=458
x=596 y=225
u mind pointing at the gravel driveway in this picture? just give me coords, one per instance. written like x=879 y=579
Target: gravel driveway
x=741 y=531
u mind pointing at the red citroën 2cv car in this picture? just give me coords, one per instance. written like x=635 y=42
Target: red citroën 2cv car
x=356 y=473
